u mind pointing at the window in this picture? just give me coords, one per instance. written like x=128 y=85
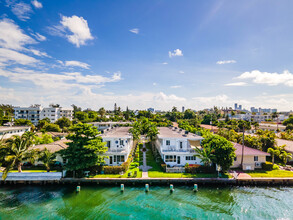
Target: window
x=190 y=158
x=170 y=158
x=167 y=142
x=120 y=158
x=108 y=144
x=255 y=158
x=114 y=158
x=121 y=142
x=181 y=144
x=235 y=158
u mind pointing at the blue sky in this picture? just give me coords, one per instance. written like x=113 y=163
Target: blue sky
x=149 y=53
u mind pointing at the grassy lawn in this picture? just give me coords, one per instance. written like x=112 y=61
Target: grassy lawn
x=125 y=175
x=157 y=171
x=272 y=173
x=32 y=171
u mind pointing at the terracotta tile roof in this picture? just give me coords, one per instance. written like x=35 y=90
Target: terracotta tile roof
x=248 y=151
x=289 y=144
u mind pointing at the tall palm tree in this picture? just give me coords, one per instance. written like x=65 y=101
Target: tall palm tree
x=47 y=158
x=205 y=154
x=15 y=151
x=284 y=156
x=273 y=152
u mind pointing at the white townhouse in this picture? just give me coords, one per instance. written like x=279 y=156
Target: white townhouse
x=35 y=113
x=119 y=143
x=7 y=132
x=176 y=146
x=103 y=126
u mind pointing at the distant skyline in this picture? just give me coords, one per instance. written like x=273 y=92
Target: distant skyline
x=141 y=54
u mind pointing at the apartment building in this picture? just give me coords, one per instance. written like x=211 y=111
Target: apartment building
x=35 y=113
x=119 y=143
x=176 y=146
x=103 y=126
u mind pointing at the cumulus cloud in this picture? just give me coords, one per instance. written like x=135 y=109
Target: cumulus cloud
x=8 y=57
x=134 y=30
x=12 y=37
x=37 y=4
x=77 y=63
x=212 y=99
x=236 y=84
x=175 y=87
x=21 y=10
x=266 y=78
x=175 y=53
x=220 y=62
x=74 y=28
x=167 y=98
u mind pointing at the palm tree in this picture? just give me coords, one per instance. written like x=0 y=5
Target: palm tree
x=32 y=156
x=205 y=154
x=284 y=156
x=152 y=132
x=47 y=158
x=15 y=151
x=273 y=152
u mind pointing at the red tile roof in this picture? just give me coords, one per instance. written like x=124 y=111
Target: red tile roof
x=248 y=151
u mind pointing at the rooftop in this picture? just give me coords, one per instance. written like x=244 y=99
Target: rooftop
x=248 y=151
x=170 y=132
x=289 y=144
x=8 y=128
x=53 y=147
x=110 y=123
x=119 y=132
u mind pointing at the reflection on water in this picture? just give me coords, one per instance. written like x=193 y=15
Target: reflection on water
x=96 y=202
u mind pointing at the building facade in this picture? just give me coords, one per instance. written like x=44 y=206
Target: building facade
x=176 y=146
x=7 y=132
x=119 y=143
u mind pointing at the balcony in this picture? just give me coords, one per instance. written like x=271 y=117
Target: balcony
x=121 y=150
x=174 y=149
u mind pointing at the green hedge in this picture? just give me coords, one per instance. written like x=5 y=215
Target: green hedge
x=200 y=169
x=269 y=166
x=113 y=169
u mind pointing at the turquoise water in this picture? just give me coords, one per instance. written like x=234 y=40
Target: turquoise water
x=97 y=202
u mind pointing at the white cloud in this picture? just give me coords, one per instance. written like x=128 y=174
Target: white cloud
x=175 y=87
x=176 y=52
x=78 y=28
x=77 y=63
x=134 y=30
x=8 y=57
x=12 y=37
x=181 y=71
x=39 y=53
x=236 y=84
x=154 y=84
x=37 y=4
x=213 y=99
x=22 y=10
x=167 y=98
x=271 y=79
x=39 y=37
x=165 y=63
x=226 y=61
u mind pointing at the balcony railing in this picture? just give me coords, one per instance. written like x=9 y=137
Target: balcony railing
x=177 y=150
x=117 y=150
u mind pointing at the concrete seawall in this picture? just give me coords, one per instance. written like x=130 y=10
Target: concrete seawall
x=160 y=181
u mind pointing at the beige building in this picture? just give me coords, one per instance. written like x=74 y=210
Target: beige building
x=7 y=131
x=252 y=158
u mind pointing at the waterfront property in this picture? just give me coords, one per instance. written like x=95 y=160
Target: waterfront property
x=119 y=142
x=176 y=146
x=7 y=131
x=252 y=158
x=288 y=145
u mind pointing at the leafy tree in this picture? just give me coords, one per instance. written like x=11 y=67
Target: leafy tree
x=288 y=121
x=48 y=158
x=32 y=156
x=102 y=112
x=51 y=127
x=42 y=123
x=63 y=122
x=289 y=127
x=284 y=156
x=85 y=150
x=135 y=130
x=15 y=151
x=44 y=139
x=81 y=116
x=22 y=122
x=223 y=150
x=189 y=114
x=152 y=132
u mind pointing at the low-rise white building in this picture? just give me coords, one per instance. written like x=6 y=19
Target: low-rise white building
x=7 y=132
x=176 y=146
x=119 y=143
x=103 y=126
x=35 y=113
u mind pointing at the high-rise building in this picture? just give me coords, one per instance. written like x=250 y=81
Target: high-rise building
x=235 y=106
x=183 y=109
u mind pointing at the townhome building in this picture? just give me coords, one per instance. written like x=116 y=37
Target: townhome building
x=7 y=131
x=35 y=113
x=103 y=126
x=176 y=146
x=119 y=142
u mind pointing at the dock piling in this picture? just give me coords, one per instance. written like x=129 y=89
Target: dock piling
x=122 y=187
x=147 y=187
x=195 y=189
x=78 y=189
x=171 y=188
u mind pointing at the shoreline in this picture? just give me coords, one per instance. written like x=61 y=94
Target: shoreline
x=257 y=181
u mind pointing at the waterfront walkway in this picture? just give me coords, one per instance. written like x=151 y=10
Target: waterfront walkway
x=145 y=167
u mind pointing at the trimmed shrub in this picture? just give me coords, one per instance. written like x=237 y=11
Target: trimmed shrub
x=199 y=169
x=113 y=169
x=267 y=166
